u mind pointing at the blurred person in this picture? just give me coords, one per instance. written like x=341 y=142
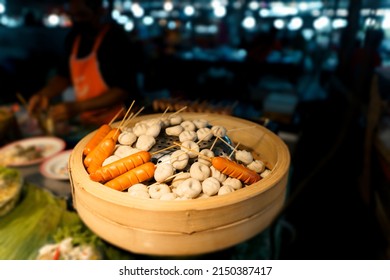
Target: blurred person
x=99 y=66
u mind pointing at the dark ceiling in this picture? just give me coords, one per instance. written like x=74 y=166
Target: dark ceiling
x=17 y=6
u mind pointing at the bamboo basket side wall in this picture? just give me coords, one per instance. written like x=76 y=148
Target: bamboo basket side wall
x=187 y=227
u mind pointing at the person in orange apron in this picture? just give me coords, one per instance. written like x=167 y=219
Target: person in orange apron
x=89 y=83
x=96 y=68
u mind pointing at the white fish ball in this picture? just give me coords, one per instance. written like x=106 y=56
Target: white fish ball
x=202 y=195
x=174 y=130
x=217 y=174
x=187 y=135
x=233 y=182
x=218 y=131
x=154 y=121
x=175 y=120
x=200 y=123
x=127 y=138
x=127 y=129
x=179 y=159
x=204 y=134
x=145 y=142
x=211 y=186
x=188 y=125
x=124 y=151
x=111 y=159
x=140 y=129
x=265 y=173
x=179 y=178
x=163 y=172
x=191 y=148
x=165 y=122
x=244 y=156
x=153 y=130
x=200 y=171
x=139 y=194
x=157 y=190
x=257 y=165
x=205 y=156
x=164 y=159
x=190 y=188
x=138 y=187
x=225 y=189
x=168 y=196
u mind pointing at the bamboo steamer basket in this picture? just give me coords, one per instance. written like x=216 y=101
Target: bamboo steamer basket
x=188 y=227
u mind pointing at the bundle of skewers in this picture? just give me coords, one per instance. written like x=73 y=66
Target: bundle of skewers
x=132 y=159
x=196 y=106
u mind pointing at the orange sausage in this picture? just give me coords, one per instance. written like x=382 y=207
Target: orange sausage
x=101 y=152
x=114 y=134
x=112 y=170
x=134 y=176
x=97 y=138
x=235 y=170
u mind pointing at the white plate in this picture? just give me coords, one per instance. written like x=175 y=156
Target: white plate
x=48 y=145
x=56 y=167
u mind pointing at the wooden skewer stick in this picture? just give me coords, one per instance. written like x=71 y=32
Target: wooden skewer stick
x=128 y=120
x=163 y=114
x=133 y=116
x=171 y=157
x=225 y=142
x=123 y=120
x=166 y=180
x=125 y=117
x=136 y=114
x=131 y=106
x=128 y=110
x=215 y=141
x=191 y=150
x=163 y=149
x=183 y=152
x=177 y=112
x=235 y=149
x=116 y=115
x=200 y=140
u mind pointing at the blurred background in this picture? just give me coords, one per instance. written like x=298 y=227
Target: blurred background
x=315 y=72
